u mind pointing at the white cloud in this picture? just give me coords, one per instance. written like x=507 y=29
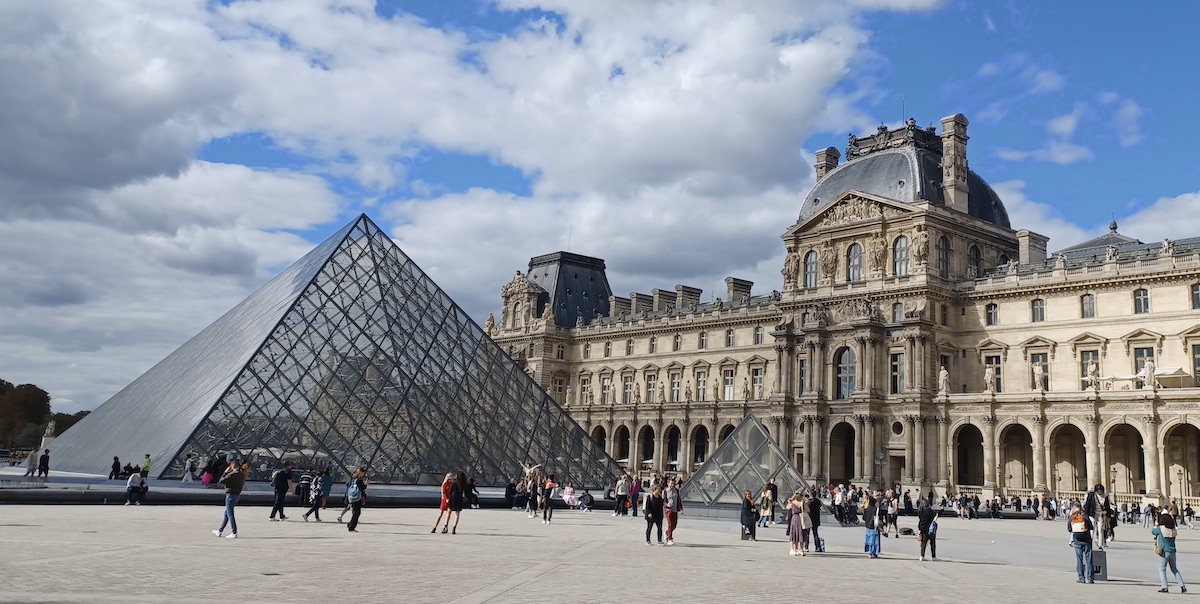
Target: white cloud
x=1173 y=217
x=1127 y=121
x=1040 y=217
x=1057 y=152
x=1047 y=80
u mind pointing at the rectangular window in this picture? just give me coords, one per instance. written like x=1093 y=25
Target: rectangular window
x=994 y=363
x=560 y=384
x=1086 y=358
x=1196 y=296
x=607 y=349
x=1038 y=311
x=1141 y=301
x=651 y=389
x=701 y=385
x=1039 y=360
x=756 y=383
x=627 y=389
x=676 y=380
x=703 y=342
x=1087 y=306
x=992 y=313
x=945 y=315
x=585 y=390
x=727 y=382
x=560 y=352
x=606 y=390
x=897 y=372
x=628 y=347
x=587 y=351
x=1196 y=363
x=804 y=376
x=729 y=338
x=1140 y=356
x=758 y=335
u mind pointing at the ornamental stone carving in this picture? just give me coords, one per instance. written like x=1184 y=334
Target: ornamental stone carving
x=856 y=209
x=791 y=270
x=876 y=253
x=849 y=310
x=829 y=260
x=920 y=246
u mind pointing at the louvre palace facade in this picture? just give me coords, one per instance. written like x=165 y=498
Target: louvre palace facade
x=915 y=338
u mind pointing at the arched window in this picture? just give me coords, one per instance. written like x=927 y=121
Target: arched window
x=728 y=338
x=811 y=263
x=943 y=258
x=992 y=314
x=516 y=315
x=900 y=257
x=676 y=343
x=703 y=340
x=845 y=373
x=1003 y=260
x=973 y=260
x=897 y=312
x=653 y=344
x=1141 y=301
x=854 y=263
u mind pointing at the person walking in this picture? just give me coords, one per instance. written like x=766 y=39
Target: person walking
x=44 y=465
x=135 y=489
x=873 y=519
x=749 y=516
x=812 y=506
x=356 y=496
x=115 y=472
x=635 y=492
x=326 y=487
x=927 y=530
x=234 y=480
x=672 y=506
x=1080 y=526
x=1164 y=535
x=458 y=492
x=281 y=484
x=444 y=505
x=774 y=499
x=315 y=508
x=189 y=468
x=652 y=511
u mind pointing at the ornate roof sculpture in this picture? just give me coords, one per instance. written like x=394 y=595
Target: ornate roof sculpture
x=746 y=459
x=350 y=357
x=907 y=164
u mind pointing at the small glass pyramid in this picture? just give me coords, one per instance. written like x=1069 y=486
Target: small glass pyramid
x=350 y=357
x=746 y=459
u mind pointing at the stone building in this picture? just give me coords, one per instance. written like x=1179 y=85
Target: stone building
x=916 y=338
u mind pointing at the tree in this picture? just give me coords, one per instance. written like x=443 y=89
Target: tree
x=5 y=386
x=63 y=421
x=20 y=406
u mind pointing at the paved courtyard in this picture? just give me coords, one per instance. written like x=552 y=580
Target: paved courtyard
x=113 y=553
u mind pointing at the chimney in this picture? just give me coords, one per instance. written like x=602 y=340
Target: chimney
x=737 y=289
x=827 y=160
x=1031 y=247
x=617 y=306
x=664 y=299
x=686 y=297
x=954 y=162
x=640 y=303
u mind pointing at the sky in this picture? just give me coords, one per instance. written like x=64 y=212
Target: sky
x=162 y=159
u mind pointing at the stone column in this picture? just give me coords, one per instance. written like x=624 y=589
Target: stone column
x=1154 y=454
x=713 y=440
x=944 y=453
x=919 y=470
x=660 y=448
x=780 y=378
x=610 y=439
x=989 y=451
x=866 y=365
x=869 y=448
x=910 y=450
x=1093 y=450
x=685 y=450
x=860 y=441
x=807 y=470
x=819 y=447
x=1039 y=463
x=919 y=371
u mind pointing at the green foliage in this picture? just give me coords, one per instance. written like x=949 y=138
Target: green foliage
x=63 y=421
x=5 y=386
x=30 y=437
x=20 y=407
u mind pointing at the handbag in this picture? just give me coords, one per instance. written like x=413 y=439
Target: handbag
x=1158 y=548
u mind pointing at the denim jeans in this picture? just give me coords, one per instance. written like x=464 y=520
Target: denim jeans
x=230 y=501
x=1165 y=560
x=1083 y=561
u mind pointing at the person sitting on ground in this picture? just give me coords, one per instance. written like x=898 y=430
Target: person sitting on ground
x=586 y=501
x=569 y=496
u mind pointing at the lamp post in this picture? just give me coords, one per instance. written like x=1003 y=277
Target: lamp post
x=1179 y=474
x=1113 y=483
x=879 y=461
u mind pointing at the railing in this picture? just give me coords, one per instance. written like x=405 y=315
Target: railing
x=1133 y=499
x=965 y=490
x=1080 y=495
x=1022 y=493
x=1192 y=501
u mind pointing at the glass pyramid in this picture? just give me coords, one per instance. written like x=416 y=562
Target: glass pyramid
x=350 y=357
x=746 y=459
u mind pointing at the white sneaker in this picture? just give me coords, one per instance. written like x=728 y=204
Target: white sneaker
x=126 y=503
x=231 y=536
x=920 y=558
x=216 y=532
x=670 y=542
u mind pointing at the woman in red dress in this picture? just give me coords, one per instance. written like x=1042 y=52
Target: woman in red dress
x=444 y=508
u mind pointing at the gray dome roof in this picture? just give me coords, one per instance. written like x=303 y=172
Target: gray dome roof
x=907 y=175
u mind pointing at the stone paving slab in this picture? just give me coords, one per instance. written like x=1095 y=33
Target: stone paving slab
x=57 y=554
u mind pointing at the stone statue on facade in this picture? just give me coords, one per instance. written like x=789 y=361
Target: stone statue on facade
x=1093 y=373
x=1060 y=261
x=716 y=389
x=50 y=429
x=570 y=395
x=1168 y=248
x=1012 y=267
x=548 y=314
x=662 y=393
x=1149 y=382
x=687 y=391
x=637 y=394
x=490 y=324
x=878 y=252
x=829 y=260
x=943 y=381
x=791 y=270
x=920 y=245
x=989 y=380
x=746 y=389
x=1110 y=253
x=1039 y=377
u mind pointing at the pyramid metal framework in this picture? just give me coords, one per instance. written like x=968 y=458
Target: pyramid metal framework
x=350 y=357
x=746 y=459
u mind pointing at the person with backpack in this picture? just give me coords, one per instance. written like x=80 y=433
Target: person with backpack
x=927 y=529
x=1080 y=526
x=874 y=519
x=1164 y=546
x=189 y=468
x=281 y=483
x=356 y=496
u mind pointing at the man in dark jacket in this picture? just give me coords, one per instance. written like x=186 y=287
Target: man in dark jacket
x=813 y=507
x=281 y=483
x=1099 y=508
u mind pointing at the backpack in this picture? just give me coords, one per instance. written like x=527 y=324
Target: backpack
x=1078 y=523
x=191 y=465
x=279 y=480
x=353 y=492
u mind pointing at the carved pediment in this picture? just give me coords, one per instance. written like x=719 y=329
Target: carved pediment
x=1186 y=337
x=850 y=208
x=1143 y=336
x=674 y=365
x=756 y=360
x=727 y=362
x=626 y=369
x=989 y=345
x=1037 y=342
x=1088 y=339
